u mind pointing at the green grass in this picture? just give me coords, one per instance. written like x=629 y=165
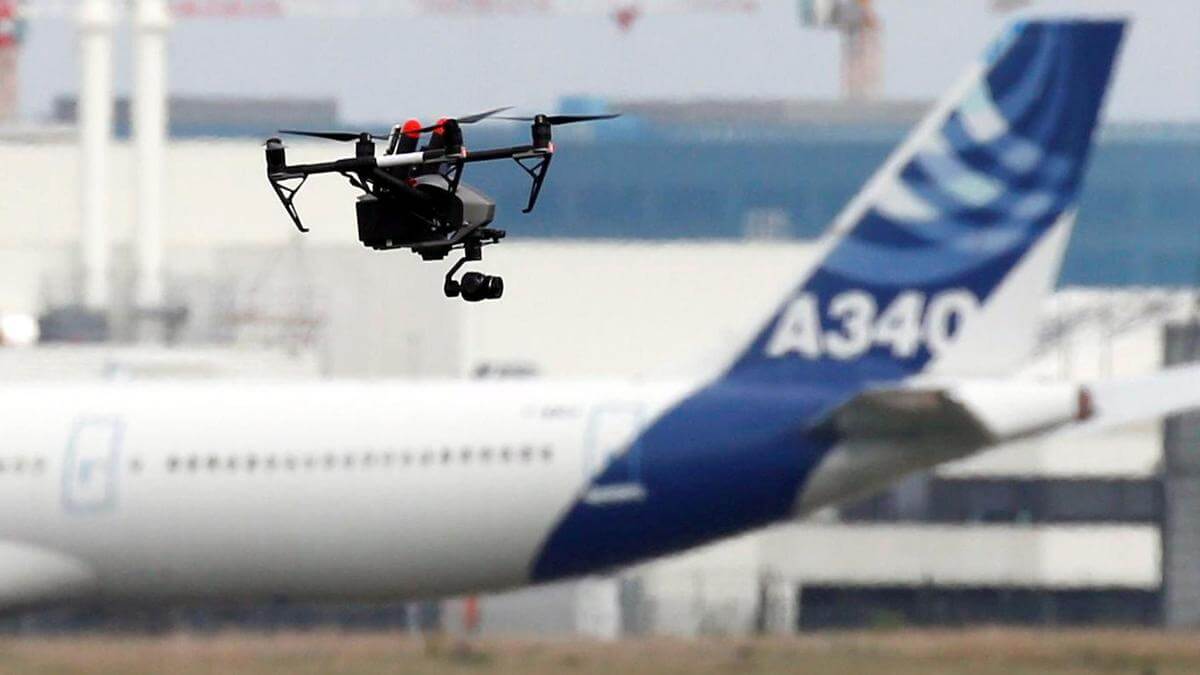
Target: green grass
x=978 y=652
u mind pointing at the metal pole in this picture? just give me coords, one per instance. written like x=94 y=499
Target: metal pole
x=10 y=45
x=95 y=118
x=151 y=22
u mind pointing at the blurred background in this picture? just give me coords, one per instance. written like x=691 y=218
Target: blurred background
x=139 y=239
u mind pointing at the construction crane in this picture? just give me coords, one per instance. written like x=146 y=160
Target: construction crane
x=10 y=40
x=862 y=43
x=861 y=31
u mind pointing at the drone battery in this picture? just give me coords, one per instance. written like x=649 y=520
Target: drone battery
x=380 y=223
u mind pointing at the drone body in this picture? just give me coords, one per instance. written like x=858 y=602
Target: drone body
x=415 y=199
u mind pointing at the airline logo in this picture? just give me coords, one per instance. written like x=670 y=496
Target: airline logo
x=852 y=323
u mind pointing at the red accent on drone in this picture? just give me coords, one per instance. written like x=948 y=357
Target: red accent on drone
x=411 y=128
x=439 y=129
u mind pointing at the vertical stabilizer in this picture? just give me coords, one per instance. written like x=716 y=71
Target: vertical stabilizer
x=939 y=265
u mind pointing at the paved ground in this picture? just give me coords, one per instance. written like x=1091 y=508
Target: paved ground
x=978 y=652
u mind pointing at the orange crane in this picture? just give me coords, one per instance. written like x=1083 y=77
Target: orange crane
x=862 y=50
x=10 y=39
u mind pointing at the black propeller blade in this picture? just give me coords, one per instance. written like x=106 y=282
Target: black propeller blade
x=344 y=136
x=557 y=120
x=468 y=119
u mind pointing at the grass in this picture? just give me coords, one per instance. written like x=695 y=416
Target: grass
x=978 y=652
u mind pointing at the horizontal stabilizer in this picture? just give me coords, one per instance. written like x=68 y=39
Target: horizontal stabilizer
x=1123 y=401
x=974 y=413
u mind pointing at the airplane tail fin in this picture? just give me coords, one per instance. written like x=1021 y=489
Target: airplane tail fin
x=939 y=265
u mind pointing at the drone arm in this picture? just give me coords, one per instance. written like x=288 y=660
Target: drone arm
x=498 y=153
x=359 y=165
x=521 y=154
x=362 y=164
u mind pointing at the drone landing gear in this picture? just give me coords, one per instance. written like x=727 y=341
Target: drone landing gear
x=474 y=286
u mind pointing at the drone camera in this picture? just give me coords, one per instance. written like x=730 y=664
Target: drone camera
x=476 y=287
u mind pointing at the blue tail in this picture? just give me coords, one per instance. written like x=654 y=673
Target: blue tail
x=919 y=256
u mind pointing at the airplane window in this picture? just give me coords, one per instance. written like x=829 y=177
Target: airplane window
x=289 y=463
x=38 y=465
x=445 y=456
x=348 y=461
x=270 y=463
x=526 y=453
x=19 y=465
x=505 y=454
x=369 y=459
x=251 y=463
x=406 y=458
x=426 y=457
x=330 y=461
x=231 y=464
x=135 y=466
x=172 y=463
x=547 y=453
x=193 y=463
x=388 y=458
x=214 y=462
x=465 y=455
x=485 y=454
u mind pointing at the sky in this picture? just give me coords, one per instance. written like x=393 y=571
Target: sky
x=389 y=70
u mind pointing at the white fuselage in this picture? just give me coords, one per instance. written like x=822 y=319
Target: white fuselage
x=314 y=490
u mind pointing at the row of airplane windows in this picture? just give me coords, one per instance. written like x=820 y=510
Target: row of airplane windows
x=526 y=454
x=20 y=465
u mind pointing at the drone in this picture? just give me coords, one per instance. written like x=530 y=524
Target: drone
x=414 y=197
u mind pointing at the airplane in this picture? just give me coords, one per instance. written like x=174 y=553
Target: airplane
x=891 y=355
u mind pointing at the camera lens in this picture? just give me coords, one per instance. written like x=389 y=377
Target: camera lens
x=495 y=288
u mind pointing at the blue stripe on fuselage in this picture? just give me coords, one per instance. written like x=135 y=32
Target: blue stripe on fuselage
x=728 y=458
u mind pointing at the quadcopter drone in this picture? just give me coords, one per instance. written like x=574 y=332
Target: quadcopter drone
x=414 y=197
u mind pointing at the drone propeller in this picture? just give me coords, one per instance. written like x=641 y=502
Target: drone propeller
x=344 y=136
x=558 y=120
x=468 y=119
